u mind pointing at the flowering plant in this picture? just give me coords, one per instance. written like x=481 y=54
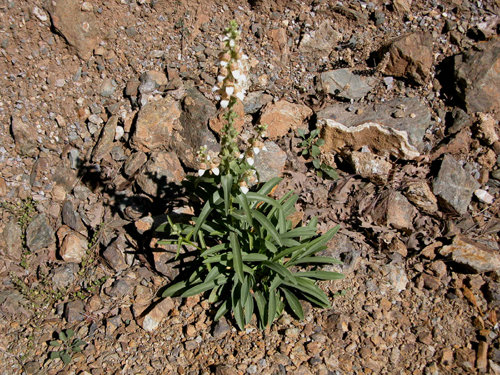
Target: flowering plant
x=247 y=250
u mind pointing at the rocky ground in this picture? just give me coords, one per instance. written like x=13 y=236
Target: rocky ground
x=103 y=106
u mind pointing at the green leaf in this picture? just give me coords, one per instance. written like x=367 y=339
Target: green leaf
x=294 y=303
x=309 y=289
x=200 y=288
x=65 y=358
x=70 y=333
x=80 y=342
x=261 y=306
x=278 y=268
x=315 y=151
x=314 y=133
x=264 y=221
x=254 y=257
x=223 y=258
x=270 y=246
x=316 y=163
x=245 y=290
x=278 y=279
x=54 y=355
x=237 y=305
x=249 y=307
x=173 y=289
x=237 y=261
x=269 y=186
x=320 y=142
x=305 y=151
x=264 y=198
x=214 y=272
x=299 y=232
x=227 y=184
x=223 y=309
x=215 y=249
x=54 y=343
x=243 y=202
x=301 y=132
x=331 y=172
x=62 y=336
x=271 y=308
x=320 y=275
x=76 y=349
x=205 y=211
x=315 y=245
x=314 y=259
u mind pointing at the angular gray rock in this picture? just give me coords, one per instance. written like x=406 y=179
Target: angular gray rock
x=161 y=170
x=63 y=276
x=134 y=162
x=114 y=254
x=78 y=28
x=13 y=244
x=151 y=81
x=156 y=315
x=71 y=217
x=270 y=163
x=39 y=233
x=193 y=132
x=404 y=114
x=344 y=84
x=322 y=40
x=477 y=77
x=105 y=143
x=454 y=186
x=255 y=101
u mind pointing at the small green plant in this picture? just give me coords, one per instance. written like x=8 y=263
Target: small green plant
x=24 y=211
x=311 y=148
x=247 y=252
x=66 y=346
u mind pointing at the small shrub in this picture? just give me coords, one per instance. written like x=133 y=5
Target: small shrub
x=66 y=346
x=311 y=149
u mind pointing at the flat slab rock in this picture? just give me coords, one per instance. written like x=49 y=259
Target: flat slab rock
x=408 y=115
x=474 y=256
x=380 y=139
x=454 y=186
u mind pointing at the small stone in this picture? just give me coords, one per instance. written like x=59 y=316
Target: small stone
x=160 y=311
x=425 y=337
x=106 y=139
x=221 y=329
x=72 y=245
x=466 y=358
x=134 y=162
x=484 y=196
x=25 y=137
x=87 y=7
x=74 y=311
x=370 y=166
x=108 y=87
x=151 y=81
x=252 y=369
x=71 y=217
x=161 y=169
x=395 y=210
x=39 y=233
x=485 y=128
x=122 y=287
x=447 y=357
x=191 y=345
x=270 y=163
x=31 y=368
x=114 y=254
x=64 y=275
x=3 y=187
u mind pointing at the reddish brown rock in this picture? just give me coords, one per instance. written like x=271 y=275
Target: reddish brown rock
x=476 y=257
x=420 y=194
x=161 y=169
x=282 y=116
x=410 y=57
x=72 y=245
x=155 y=124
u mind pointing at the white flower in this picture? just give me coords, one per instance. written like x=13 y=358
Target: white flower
x=231 y=43
x=264 y=148
x=208 y=157
x=224 y=103
x=244 y=57
x=240 y=156
x=229 y=90
x=236 y=74
x=201 y=172
x=244 y=189
x=242 y=78
x=220 y=79
x=256 y=150
x=215 y=171
x=215 y=88
x=223 y=63
x=250 y=161
x=240 y=95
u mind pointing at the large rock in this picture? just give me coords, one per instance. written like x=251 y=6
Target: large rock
x=393 y=209
x=282 y=116
x=410 y=57
x=25 y=137
x=39 y=233
x=193 y=132
x=378 y=138
x=420 y=194
x=106 y=138
x=72 y=245
x=475 y=257
x=454 y=186
x=477 y=77
x=270 y=163
x=155 y=124
x=114 y=254
x=344 y=84
x=370 y=166
x=321 y=40
x=161 y=170
x=77 y=27
x=408 y=115
x=13 y=245
x=155 y=316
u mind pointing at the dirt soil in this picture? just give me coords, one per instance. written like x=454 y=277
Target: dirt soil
x=77 y=219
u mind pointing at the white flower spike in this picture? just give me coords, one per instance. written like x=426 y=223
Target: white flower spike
x=215 y=171
x=201 y=172
x=250 y=161
x=244 y=189
x=224 y=103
